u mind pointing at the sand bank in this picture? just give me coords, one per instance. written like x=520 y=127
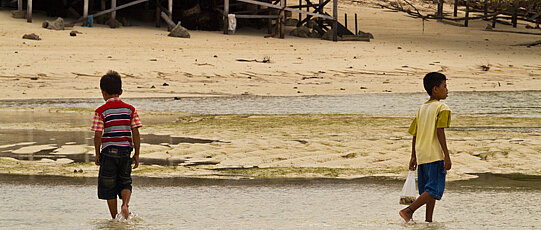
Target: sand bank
x=311 y=146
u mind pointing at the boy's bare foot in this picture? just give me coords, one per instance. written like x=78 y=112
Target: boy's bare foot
x=125 y=211
x=406 y=214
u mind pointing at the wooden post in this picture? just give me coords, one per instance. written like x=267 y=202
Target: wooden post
x=356 y=30
x=282 y=19
x=514 y=16
x=440 y=9
x=335 y=20
x=85 y=12
x=467 y=17
x=158 y=17
x=485 y=8
x=455 y=9
x=346 y=20
x=113 y=5
x=494 y=21
x=170 y=8
x=226 y=16
x=20 y=5
x=29 y=11
x=300 y=15
x=269 y=21
x=102 y=5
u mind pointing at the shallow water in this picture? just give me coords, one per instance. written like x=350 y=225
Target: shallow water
x=496 y=103
x=33 y=202
x=15 y=139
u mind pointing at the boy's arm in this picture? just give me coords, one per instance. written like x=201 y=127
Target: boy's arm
x=413 y=159
x=441 y=138
x=97 y=146
x=136 y=145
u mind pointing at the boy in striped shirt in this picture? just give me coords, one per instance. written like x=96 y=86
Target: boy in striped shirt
x=116 y=126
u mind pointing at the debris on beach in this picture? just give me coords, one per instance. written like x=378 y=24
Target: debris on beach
x=304 y=32
x=179 y=32
x=57 y=24
x=485 y=67
x=31 y=36
x=265 y=60
x=74 y=33
x=113 y=23
x=18 y=13
x=529 y=44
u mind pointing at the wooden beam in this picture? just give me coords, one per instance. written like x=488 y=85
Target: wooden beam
x=158 y=21
x=514 y=15
x=113 y=6
x=112 y=9
x=256 y=16
x=20 y=5
x=455 y=8
x=287 y=8
x=226 y=16
x=335 y=20
x=167 y=20
x=85 y=11
x=29 y=11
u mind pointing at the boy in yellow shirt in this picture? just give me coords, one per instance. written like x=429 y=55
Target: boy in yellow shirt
x=429 y=147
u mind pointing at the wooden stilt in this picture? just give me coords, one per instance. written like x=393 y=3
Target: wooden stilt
x=170 y=7
x=85 y=11
x=158 y=12
x=494 y=21
x=346 y=20
x=356 y=30
x=300 y=15
x=320 y=21
x=269 y=21
x=467 y=17
x=226 y=16
x=20 y=5
x=29 y=11
x=335 y=20
x=102 y=5
x=282 y=19
x=455 y=8
x=440 y=9
x=514 y=16
x=485 y=8
x=113 y=5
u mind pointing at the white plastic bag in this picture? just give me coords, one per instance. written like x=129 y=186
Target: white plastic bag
x=409 y=191
x=232 y=23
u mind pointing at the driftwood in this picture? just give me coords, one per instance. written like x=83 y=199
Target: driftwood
x=506 y=14
x=515 y=32
x=529 y=44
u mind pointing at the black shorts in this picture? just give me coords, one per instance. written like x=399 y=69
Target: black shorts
x=115 y=172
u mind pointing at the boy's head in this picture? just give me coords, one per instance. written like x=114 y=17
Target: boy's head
x=111 y=84
x=435 y=85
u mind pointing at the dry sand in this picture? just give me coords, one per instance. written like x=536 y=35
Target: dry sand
x=60 y=66
x=398 y=57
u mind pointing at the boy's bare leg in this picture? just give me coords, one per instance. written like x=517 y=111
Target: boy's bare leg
x=430 y=210
x=126 y=194
x=112 y=207
x=407 y=213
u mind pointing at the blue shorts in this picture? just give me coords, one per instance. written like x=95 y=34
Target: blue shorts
x=431 y=179
x=115 y=172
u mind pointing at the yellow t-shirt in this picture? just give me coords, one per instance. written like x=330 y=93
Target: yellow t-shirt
x=432 y=115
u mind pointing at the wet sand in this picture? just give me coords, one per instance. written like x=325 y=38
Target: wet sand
x=289 y=146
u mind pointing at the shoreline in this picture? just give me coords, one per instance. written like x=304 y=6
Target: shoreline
x=479 y=181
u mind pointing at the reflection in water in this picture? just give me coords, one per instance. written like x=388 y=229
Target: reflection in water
x=295 y=204
x=496 y=103
x=16 y=139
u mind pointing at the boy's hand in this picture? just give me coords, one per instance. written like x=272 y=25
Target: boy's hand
x=136 y=161
x=447 y=163
x=97 y=159
x=413 y=164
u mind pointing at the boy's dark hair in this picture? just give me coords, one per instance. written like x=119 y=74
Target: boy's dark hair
x=111 y=83
x=433 y=79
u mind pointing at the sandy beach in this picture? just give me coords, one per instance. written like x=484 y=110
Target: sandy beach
x=337 y=146
x=60 y=66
